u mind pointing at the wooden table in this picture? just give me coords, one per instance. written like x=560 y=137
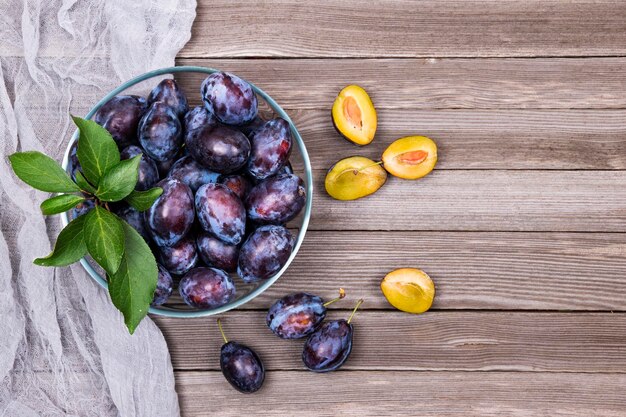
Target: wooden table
x=522 y=225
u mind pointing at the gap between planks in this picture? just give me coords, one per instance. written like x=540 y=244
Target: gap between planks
x=390 y=340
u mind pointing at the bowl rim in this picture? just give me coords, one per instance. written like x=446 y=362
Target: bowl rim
x=307 y=209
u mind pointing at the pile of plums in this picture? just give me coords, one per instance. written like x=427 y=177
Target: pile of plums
x=227 y=195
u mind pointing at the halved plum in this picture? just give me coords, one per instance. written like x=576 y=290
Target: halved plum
x=354 y=177
x=354 y=115
x=411 y=157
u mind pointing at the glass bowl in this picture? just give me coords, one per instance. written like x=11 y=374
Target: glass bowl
x=190 y=78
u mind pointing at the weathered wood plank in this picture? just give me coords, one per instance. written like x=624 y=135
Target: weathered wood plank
x=434 y=83
x=466 y=340
x=513 y=271
x=484 y=139
x=471 y=270
x=361 y=28
x=436 y=394
x=584 y=201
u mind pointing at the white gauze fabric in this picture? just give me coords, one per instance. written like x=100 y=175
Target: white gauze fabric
x=64 y=349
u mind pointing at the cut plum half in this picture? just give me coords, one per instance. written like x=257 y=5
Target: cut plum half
x=354 y=177
x=409 y=289
x=411 y=157
x=354 y=115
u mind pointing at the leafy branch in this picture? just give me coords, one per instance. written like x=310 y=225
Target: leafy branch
x=103 y=178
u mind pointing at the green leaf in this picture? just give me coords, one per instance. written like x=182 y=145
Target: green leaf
x=143 y=200
x=97 y=151
x=69 y=247
x=60 y=203
x=104 y=236
x=83 y=183
x=119 y=181
x=42 y=172
x=132 y=286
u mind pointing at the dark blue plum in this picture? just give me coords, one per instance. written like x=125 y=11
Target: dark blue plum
x=219 y=148
x=296 y=315
x=328 y=347
x=168 y=92
x=238 y=184
x=206 y=288
x=231 y=99
x=148 y=173
x=242 y=367
x=160 y=132
x=221 y=213
x=264 y=253
x=135 y=219
x=171 y=216
x=271 y=147
x=164 y=288
x=190 y=172
x=216 y=253
x=121 y=116
x=276 y=200
x=180 y=257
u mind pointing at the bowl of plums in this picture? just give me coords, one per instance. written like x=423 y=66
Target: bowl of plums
x=236 y=181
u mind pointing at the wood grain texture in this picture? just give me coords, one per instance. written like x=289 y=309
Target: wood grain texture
x=541 y=83
x=435 y=394
x=488 y=271
x=484 y=139
x=583 y=201
x=465 y=340
x=359 y=28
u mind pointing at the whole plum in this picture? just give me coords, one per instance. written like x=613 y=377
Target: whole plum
x=271 y=146
x=276 y=200
x=264 y=253
x=216 y=253
x=190 y=172
x=168 y=92
x=241 y=366
x=221 y=213
x=297 y=315
x=164 y=288
x=148 y=173
x=219 y=148
x=206 y=288
x=330 y=345
x=238 y=184
x=180 y=257
x=171 y=216
x=121 y=116
x=160 y=132
x=229 y=98
x=135 y=219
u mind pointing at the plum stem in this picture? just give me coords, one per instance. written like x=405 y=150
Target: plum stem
x=356 y=171
x=219 y=324
x=342 y=294
x=358 y=304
